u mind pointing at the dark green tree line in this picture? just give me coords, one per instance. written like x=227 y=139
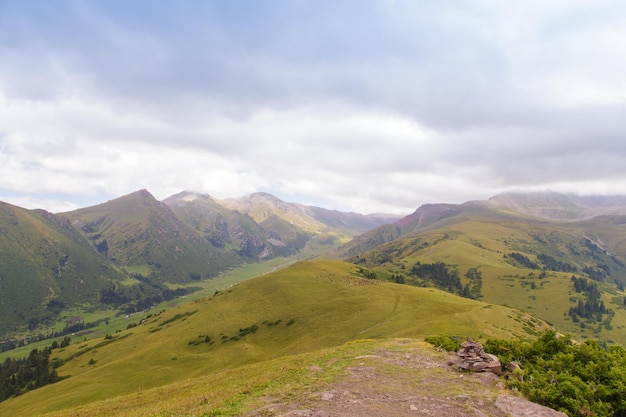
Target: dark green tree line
x=18 y=376
x=522 y=260
x=592 y=307
x=443 y=276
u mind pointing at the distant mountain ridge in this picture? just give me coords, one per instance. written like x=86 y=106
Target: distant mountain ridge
x=131 y=250
x=260 y=206
x=134 y=249
x=550 y=206
x=557 y=206
x=523 y=250
x=264 y=222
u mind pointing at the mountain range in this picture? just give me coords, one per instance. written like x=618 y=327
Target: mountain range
x=128 y=253
x=528 y=251
x=134 y=251
x=511 y=266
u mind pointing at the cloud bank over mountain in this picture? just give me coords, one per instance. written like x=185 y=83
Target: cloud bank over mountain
x=365 y=106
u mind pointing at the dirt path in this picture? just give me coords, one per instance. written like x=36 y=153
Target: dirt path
x=405 y=378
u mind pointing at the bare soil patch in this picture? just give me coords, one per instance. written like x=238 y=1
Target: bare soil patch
x=403 y=378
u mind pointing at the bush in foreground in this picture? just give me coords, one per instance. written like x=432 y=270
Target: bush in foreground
x=580 y=379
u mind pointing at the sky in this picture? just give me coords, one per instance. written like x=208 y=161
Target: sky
x=355 y=105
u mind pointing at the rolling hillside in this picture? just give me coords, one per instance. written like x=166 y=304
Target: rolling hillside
x=46 y=265
x=502 y=256
x=306 y=308
x=133 y=252
x=145 y=236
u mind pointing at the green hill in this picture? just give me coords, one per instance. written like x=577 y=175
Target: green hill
x=144 y=235
x=46 y=265
x=299 y=310
x=510 y=258
x=134 y=252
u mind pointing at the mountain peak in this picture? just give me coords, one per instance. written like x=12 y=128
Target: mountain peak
x=142 y=195
x=261 y=196
x=186 y=197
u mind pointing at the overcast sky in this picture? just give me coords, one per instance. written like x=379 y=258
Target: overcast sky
x=356 y=105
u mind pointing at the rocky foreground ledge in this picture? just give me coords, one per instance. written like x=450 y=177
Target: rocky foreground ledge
x=405 y=378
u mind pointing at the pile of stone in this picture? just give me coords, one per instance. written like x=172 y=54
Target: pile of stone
x=472 y=357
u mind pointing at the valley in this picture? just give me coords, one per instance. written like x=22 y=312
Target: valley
x=520 y=261
x=132 y=253
x=299 y=310
x=191 y=291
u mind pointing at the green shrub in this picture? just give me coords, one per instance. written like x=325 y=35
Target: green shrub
x=580 y=379
x=447 y=343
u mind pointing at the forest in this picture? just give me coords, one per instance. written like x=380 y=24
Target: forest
x=591 y=307
x=444 y=277
x=18 y=376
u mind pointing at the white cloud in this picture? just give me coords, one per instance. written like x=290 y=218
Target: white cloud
x=360 y=106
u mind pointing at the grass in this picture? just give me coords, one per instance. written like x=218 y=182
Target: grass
x=476 y=241
x=297 y=379
x=41 y=261
x=233 y=391
x=316 y=305
x=113 y=321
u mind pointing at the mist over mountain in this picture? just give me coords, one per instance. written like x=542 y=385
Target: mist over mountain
x=558 y=206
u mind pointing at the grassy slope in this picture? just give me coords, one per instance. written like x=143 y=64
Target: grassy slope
x=480 y=241
x=294 y=382
x=247 y=390
x=116 y=322
x=42 y=258
x=326 y=303
x=145 y=236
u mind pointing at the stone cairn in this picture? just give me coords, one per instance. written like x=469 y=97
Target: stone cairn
x=472 y=357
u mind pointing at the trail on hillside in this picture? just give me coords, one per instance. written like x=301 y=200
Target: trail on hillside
x=405 y=379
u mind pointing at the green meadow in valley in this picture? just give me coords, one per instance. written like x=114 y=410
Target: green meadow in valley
x=300 y=310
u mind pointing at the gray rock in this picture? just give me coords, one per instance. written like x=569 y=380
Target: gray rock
x=514 y=366
x=472 y=357
x=519 y=407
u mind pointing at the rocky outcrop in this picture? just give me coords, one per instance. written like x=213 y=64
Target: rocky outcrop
x=472 y=357
x=519 y=407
